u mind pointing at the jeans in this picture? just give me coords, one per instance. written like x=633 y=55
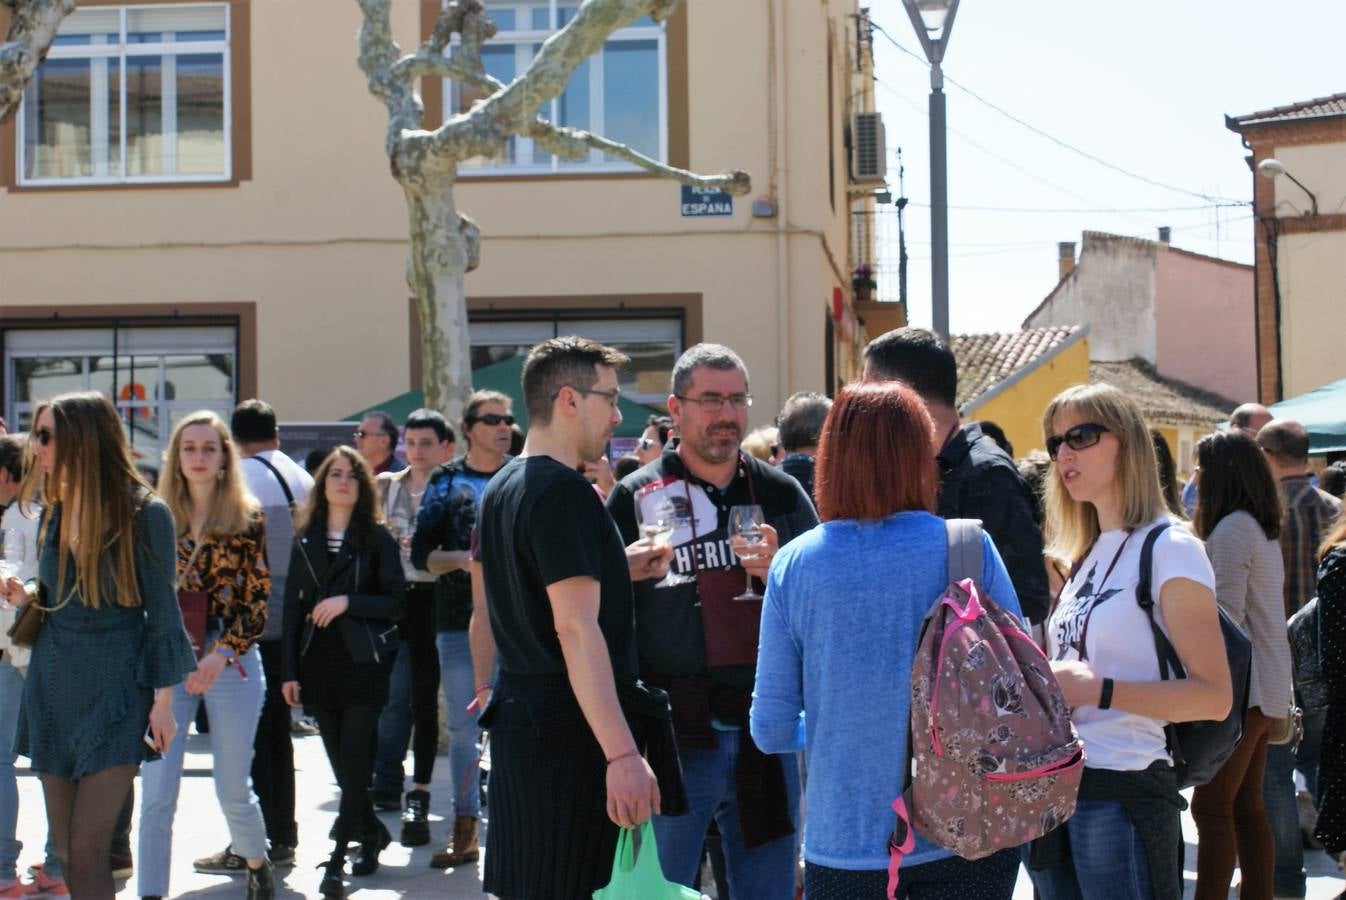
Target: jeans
x=348 y=737
x=413 y=698
x=455 y=672
x=234 y=705
x=1107 y=860
x=273 y=755
x=767 y=871
x=1282 y=807
x=11 y=691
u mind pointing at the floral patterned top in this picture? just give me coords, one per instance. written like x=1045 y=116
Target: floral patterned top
x=233 y=573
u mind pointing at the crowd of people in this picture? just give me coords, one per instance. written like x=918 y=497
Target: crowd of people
x=714 y=635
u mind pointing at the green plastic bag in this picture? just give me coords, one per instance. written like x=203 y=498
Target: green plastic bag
x=636 y=874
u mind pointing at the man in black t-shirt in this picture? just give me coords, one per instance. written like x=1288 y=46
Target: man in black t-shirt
x=699 y=642
x=566 y=768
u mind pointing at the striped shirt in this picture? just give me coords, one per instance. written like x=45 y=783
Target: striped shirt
x=1249 y=575
x=1308 y=514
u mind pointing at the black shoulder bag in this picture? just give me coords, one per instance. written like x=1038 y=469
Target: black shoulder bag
x=1199 y=749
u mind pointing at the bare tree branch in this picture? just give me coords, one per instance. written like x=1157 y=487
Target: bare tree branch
x=574 y=143
x=378 y=53
x=32 y=28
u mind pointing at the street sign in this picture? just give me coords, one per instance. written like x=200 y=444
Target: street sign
x=698 y=202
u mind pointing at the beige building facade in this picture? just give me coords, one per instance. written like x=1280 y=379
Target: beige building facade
x=195 y=207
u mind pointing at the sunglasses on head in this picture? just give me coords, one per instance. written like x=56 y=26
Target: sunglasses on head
x=1078 y=438
x=43 y=436
x=493 y=419
x=646 y=443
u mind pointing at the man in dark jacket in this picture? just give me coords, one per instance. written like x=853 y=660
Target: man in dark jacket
x=800 y=423
x=977 y=480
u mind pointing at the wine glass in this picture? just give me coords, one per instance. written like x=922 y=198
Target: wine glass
x=745 y=523
x=658 y=522
x=11 y=560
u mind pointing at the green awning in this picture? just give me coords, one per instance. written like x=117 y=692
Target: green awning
x=506 y=376
x=1323 y=412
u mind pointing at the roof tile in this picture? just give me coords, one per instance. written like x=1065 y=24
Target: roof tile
x=1162 y=399
x=985 y=360
x=1334 y=105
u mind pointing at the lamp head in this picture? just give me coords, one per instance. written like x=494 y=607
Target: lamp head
x=1271 y=168
x=933 y=13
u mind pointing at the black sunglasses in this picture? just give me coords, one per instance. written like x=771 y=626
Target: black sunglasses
x=43 y=436
x=1078 y=438
x=492 y=419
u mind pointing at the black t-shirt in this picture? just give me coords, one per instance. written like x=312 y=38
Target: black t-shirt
x=668 y=619
x=541 y=523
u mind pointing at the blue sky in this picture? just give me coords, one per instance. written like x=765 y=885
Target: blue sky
x=1144 y=85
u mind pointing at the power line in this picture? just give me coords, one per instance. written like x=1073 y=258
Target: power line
x=1066 y=209
x=1038 y=131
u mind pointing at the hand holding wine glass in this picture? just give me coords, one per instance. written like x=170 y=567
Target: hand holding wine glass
x=657 y=522
x=747 y=526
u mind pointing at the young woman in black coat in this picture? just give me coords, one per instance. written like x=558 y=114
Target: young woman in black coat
x=343 y=596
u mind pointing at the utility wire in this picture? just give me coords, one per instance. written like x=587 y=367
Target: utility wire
x=1038 y=131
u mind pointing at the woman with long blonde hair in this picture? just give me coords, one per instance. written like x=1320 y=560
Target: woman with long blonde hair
x=111 y=645
x=221 y=552
x=1103 y=505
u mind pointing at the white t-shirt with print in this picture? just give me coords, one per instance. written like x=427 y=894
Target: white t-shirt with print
x=1099 y=622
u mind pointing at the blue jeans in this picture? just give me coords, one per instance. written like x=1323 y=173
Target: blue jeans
x=233 y=705
x=1107 y=860
x=1278 y=796
x=455 y=673
x=11 y=691
x=708 y=775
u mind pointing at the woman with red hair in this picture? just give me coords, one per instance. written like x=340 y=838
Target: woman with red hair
x=840 y=627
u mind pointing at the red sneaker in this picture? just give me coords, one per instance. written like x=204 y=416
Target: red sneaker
x=42 y=886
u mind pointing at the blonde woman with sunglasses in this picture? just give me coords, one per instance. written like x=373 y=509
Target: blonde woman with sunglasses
x=112 y=644
x=1103 y=500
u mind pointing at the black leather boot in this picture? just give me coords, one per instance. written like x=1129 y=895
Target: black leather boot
x=332 y=884
x=416 y=819
x=366 y=862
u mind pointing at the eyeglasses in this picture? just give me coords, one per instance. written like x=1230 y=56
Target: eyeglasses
x=360 y=433
x=43 y=436
x=492 y=419
x=713 y=403
x=1080 y=437
x=775 y=448
x=610 y=396
x=646 y=443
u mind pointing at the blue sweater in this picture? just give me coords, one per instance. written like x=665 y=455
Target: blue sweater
x=843 y=611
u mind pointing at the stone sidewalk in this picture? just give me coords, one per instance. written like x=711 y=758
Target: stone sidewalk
x=200 y=831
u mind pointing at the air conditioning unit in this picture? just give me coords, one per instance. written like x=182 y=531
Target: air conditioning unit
x=869 y=156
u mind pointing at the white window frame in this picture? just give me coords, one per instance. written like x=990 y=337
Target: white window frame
x=523 y=41
x=168 y=51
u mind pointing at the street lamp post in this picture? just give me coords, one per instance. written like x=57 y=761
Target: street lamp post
x=933 y=21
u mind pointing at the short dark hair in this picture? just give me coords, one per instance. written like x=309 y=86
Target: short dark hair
x=563 y=362
x=874 y=454
x=1286 y=440
x=1333 y=480
x=253 y=421
x=624 y=466
x=386 y=424
x=917 y=357
x=11 y=455
x=801 y=420
x=1234 y=476
x=997 y=434
x=664 y=425
x=429 y=418
x=711 y=356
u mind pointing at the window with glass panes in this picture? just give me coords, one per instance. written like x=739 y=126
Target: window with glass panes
x=619 y=92
x=155 y=376
x=130 y=94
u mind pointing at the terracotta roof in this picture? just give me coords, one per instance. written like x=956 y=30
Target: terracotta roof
x=1322 y=107
x=1163 y=399
x=987 y=360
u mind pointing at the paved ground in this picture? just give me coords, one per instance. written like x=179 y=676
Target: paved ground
x=200 y=831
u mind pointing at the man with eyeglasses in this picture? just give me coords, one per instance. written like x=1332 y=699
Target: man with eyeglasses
x=376 y=439
x=439 y=545
x=699 y=642
x=977 y=480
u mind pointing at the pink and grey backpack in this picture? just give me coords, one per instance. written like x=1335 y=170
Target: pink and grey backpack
x=994 y=761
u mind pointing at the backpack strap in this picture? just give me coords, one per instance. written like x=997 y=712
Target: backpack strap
x=965 y=549
x=1170 y=666
x=284 y=485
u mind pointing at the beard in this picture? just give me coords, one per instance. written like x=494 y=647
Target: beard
x=718 y=443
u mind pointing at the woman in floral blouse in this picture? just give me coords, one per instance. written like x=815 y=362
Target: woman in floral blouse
x=220 y=552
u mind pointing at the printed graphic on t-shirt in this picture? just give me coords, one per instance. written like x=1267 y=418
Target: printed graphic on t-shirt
x=704 y=547
x=1073 y=623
